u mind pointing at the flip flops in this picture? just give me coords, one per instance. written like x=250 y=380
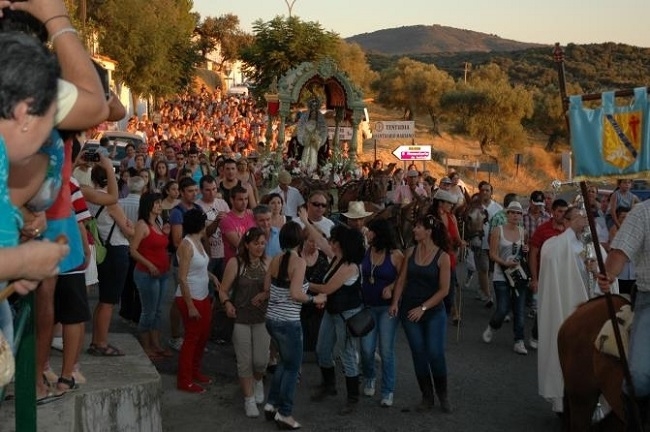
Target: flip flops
x=107 y=351
x=50 y=396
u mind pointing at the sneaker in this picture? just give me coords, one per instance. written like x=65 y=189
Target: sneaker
x=175 y=343
x=507 y=319
x=251 y=407
x=269 y=412
x=57 y=343
x=520 y=348
x=369 y=388
x=532 y=313
x=387 y=401
x=258 y=390
x=488 y=334
x=532 y=343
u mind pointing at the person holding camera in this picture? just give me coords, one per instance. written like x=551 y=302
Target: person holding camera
x=508 y=244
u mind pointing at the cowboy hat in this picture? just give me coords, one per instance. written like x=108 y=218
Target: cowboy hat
x=356 y=210
x=443 y=195
x=284 y=177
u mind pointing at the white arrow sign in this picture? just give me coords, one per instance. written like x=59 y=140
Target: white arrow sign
x=413 y=153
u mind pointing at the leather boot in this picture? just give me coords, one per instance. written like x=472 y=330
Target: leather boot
x=440 y=383
x=327 y=387
x=352 y=386
x=631 y=423
x=426 y=387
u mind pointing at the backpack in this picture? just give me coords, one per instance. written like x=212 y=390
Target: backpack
x=100 y=246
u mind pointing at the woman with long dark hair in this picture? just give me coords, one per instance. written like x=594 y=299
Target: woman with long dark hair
x=244 y=298
x=342 y=284
x=149 y=250
x=422 y=285
x=380 y=268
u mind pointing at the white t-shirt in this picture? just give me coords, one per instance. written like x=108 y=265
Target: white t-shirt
x=324 y=225
x=211 y=210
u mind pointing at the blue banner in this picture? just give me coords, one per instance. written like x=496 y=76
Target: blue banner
x=610 y=141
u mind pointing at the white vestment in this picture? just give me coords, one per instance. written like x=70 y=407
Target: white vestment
x=561 y=289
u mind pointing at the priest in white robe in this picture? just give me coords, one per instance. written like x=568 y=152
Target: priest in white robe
x=567 y=279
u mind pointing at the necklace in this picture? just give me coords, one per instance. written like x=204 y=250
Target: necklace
x=373 y=266
x=424 y=256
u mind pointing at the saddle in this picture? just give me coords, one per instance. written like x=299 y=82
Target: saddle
x=606 y=341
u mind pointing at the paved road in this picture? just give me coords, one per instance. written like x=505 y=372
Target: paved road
x=491 y=389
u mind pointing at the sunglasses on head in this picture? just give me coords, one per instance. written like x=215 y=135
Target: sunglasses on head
x=316 y=204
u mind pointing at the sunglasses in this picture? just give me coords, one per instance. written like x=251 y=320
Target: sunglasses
x=321 y=205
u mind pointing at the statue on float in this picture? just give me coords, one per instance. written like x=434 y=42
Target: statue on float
x=312 y=134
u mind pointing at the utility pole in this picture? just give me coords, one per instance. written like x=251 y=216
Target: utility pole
x=467 y=67
x=290 y=5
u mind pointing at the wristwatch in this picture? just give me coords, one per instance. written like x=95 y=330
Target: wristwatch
x=423 y=308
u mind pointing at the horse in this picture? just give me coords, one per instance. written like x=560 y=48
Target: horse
x=472 y=220
x=588 y=373
x=403 y=218
x=372 y=189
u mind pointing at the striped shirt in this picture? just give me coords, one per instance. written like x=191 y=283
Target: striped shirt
x=633 y=239
x=281 y=306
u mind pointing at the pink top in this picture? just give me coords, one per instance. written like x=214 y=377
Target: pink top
x=233 y=223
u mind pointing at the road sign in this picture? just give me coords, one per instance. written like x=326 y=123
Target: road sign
x=462 y=163
x=345 y=133
x=393 y=129
x=413 y=153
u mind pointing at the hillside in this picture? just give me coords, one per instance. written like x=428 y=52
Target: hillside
x=421 y=39
x=538 y=170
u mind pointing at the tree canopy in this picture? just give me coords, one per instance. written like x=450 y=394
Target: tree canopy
x=283 y=43
x=151 y=42
x=222 y=32
x=490 y=109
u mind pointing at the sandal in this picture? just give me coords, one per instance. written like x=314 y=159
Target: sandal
x=50 y=396
x=107 y=351
x=69 y=382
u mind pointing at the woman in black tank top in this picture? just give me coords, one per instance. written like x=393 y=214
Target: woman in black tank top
x=422 y=285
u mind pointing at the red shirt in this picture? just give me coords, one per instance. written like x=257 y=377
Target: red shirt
x=154 y=248
x=233 y=223
x=544 y=232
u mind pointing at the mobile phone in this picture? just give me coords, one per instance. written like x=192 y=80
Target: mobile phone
x=91 y=156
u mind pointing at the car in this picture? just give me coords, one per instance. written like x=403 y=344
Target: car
x=239 y=90
x=118 y=139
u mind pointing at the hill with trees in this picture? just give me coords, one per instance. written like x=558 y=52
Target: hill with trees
x=421 y=39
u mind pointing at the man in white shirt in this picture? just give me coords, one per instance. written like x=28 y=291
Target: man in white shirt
x=406 y=193
x=215 y=209
x=291 y=196
x=316 y=206
x=481 y=256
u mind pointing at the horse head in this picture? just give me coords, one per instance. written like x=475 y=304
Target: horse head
x=473 y=221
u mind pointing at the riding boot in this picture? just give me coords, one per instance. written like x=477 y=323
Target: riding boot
x=426 y=387
x=631 y=422
x=441 y=391
x=352 y=386
x=327 y=387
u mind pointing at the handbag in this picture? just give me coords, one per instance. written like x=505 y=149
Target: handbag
x=7 y=363
x=361 y=323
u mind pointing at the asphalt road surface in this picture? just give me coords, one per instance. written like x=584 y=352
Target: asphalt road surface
x=490 y=387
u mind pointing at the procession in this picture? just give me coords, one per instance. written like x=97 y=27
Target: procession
x=259 y=230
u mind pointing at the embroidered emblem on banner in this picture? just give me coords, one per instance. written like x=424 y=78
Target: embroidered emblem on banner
x=622 y=138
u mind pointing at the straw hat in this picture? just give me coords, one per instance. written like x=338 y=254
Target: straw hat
x=284 y=177
x=356 y=210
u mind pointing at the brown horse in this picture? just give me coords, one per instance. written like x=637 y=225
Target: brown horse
x=587 y=372
x=472 y=220
x=403 y=218
x=372 y=189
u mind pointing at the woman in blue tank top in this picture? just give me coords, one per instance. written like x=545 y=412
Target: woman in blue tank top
x=422 y=286
x=379 y=268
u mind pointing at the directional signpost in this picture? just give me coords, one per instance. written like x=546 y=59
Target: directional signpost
x=413 y=153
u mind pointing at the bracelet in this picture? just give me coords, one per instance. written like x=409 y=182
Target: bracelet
x=60 y=32
x=55 y=17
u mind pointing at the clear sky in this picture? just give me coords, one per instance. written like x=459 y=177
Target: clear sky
x=540 y=21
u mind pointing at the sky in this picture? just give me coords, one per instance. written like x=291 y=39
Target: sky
x=547 y=22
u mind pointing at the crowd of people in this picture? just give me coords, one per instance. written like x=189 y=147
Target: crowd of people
x=270 y=273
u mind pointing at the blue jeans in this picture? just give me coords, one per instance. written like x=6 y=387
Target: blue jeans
x=506 y=298
x=385 y=329
x=427 y=339
x=287 y=336
x=7 y=321
x=152 y=292
x=334 y=339
x=640 y=345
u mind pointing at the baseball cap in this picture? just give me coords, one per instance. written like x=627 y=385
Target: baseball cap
x=537 y=198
